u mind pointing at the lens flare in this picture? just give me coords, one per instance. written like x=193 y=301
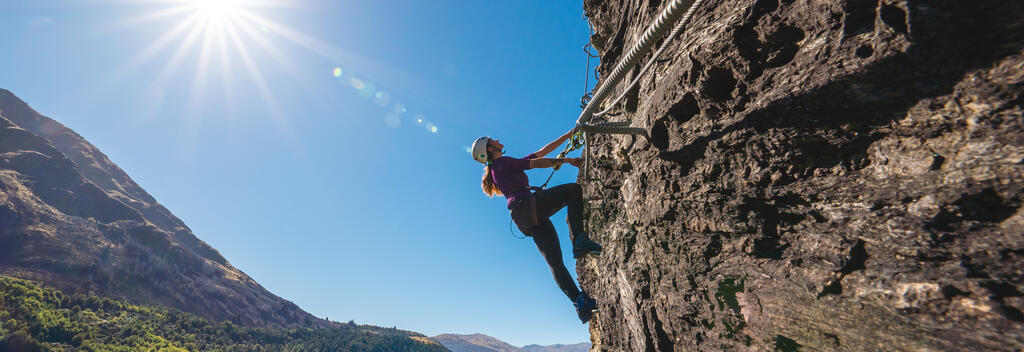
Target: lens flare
x=336 y=72
x=368 y=90
x=418 y=119
x=433 y=129
x=356 y=83
x=382 y=98
x=399 y=108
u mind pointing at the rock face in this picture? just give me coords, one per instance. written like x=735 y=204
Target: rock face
x=819 y=175
x=70 y=218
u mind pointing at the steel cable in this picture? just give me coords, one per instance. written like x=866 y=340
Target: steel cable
x=675 y=31
x=669 y=16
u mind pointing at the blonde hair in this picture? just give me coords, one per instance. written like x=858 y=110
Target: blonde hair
x=490 y=189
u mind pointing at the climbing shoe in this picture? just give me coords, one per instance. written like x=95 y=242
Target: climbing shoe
x=585 y=306
x=582 y=245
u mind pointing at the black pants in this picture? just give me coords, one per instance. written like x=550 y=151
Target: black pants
x=547 y=203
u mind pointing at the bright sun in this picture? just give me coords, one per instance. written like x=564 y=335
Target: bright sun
x=212 y=41
x=216 y=11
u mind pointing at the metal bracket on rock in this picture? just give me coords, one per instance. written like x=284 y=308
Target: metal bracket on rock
x=604 y=128
x=613 y=128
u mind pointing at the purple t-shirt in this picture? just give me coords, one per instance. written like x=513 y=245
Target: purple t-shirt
x=508 y=174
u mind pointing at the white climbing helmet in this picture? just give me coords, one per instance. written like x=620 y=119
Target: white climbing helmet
x=480 y=149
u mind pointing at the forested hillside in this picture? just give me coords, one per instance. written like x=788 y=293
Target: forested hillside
x=35 y=318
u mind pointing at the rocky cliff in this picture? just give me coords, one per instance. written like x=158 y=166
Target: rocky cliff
x=72 y=219
x=819 y=175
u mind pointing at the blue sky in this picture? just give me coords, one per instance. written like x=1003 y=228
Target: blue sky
x=332 y=197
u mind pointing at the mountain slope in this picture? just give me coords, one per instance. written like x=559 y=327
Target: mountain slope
x=98 y=169
x=576 y=347
x=819 y=175
x=474 y=343
x=72 y=219
x=484 y=343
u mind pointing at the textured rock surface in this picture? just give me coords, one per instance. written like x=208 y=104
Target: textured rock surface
x=841 y=175
x=72 y=219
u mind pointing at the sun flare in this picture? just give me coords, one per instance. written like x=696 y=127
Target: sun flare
x=217 y=45
x=211 y=42
x=216 y=11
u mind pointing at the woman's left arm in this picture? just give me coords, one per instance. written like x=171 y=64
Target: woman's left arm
x=554 y=144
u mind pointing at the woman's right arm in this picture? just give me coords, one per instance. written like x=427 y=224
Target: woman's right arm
x=554 y=144
x=540 y=163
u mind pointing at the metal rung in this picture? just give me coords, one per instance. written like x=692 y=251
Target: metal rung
x=613 y=130
x=611 y=124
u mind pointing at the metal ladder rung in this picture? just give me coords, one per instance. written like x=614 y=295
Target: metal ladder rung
x=611 y=124
x=613 y=130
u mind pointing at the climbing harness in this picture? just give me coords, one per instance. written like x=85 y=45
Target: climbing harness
x=534 y=220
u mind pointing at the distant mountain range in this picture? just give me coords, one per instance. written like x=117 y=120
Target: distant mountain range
x=484 y=343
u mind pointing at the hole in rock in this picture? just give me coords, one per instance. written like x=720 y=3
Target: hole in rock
x=695 y=68
x=834 y=338
x=719 y=84
x=985 y=206
x=864 y=51
x=858 y=257
x=685 y=109
x=783 y=45
x=860 y=17
x=786 y=344
x=763 y=7
x=833 y=288
x=950 y=291
x=894 y=17
x=659 y=135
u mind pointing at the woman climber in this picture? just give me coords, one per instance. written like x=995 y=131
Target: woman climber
x=504 y=175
